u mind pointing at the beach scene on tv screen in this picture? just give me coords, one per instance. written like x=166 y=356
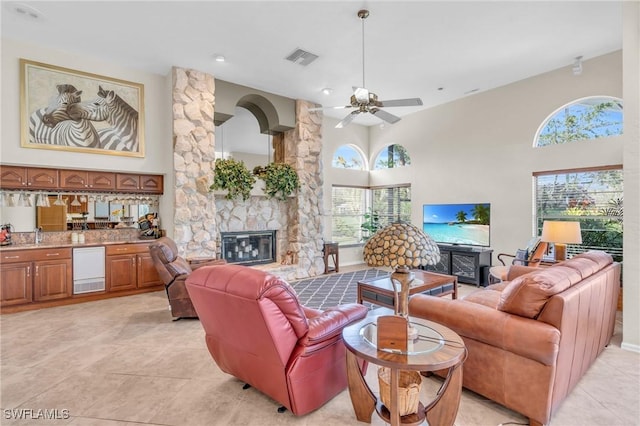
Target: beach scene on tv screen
x=466 y=224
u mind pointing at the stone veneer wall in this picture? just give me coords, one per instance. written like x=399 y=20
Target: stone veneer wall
x=195 y=227
x=200 y=217
x=303 y=148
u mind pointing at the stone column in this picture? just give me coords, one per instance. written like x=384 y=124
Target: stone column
x=303 y=146
x=195 y=229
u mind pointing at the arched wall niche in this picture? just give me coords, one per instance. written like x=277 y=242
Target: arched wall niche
x=275 y=114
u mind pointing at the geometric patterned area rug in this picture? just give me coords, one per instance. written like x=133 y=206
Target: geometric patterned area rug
x=325 y=291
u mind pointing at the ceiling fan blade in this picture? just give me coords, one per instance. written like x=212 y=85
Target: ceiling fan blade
x=348 y=119
x=389 y=118
x=333 y=107
x=400 y=102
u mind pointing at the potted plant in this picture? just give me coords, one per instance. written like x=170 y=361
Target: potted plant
x=280 y=179
x=234 y=177
x=370 y=224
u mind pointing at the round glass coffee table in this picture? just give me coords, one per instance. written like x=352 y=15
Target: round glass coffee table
x=436 y=348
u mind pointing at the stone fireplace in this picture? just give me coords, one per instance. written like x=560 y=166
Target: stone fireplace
x=201 y=216
x=248 y=248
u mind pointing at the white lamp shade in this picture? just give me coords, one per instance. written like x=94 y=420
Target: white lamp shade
x=555 y=231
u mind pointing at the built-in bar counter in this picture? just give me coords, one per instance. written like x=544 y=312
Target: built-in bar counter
x=34 y=276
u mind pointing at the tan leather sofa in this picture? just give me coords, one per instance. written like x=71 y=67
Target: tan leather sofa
x=531 y=339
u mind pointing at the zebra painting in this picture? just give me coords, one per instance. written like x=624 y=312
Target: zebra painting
x=122 y=117
x=54 y=125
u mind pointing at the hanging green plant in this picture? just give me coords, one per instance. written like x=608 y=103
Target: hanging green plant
x=234 y=177
x=280 y=180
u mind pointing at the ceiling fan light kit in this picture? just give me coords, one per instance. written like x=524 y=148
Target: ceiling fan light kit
x=365 y=101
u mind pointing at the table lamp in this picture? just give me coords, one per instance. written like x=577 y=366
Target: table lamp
x=561 y=233
x=401 y=246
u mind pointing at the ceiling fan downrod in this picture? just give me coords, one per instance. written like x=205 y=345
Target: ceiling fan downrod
x=363 y=14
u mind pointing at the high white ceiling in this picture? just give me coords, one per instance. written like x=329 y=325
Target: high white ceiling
x=438 y=51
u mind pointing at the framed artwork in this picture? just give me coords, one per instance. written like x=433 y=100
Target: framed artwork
x=69 y=110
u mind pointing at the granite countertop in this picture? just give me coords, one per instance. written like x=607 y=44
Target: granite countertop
x=70 y=244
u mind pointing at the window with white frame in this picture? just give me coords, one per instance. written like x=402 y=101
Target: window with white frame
x=392 y=156
x=594 y=197
x=348 y=157
x=587 y=118
x=358 y=211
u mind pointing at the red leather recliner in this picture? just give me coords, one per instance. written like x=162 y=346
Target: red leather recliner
x=257 y=331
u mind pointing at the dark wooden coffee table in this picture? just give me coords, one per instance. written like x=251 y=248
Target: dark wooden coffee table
x=380 y=290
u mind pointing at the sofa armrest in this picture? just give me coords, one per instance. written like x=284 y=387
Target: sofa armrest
x=199 y=262
x=516 y=270
x=523 y=336
x=331 y=322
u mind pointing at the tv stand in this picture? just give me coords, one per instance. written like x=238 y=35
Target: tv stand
x=470 y=264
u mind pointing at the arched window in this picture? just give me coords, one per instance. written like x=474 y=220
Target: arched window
x=583 y=119
x=392 y=156
x=348 y=157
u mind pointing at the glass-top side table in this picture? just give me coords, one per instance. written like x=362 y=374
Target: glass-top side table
x=436 y=348
x=428 y=340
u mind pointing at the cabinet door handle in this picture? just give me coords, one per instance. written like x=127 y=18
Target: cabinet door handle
x=12 y=257
x=53 y=254
x=37 y=267
x=121 y=249
x=139 y=261
x=133 y=262
x=28 y=271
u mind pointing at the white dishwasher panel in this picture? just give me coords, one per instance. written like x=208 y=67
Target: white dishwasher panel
x=88 y=270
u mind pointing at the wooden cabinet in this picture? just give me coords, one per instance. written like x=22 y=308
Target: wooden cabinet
x=39 y=277
x=39 y=178
x=129 y=266
x=78 y=179
x=18 y=177
x=147 y=272
x=470 y=264
x=15 y=283
x=126 y=182
x=52 y=279
x=35 y=275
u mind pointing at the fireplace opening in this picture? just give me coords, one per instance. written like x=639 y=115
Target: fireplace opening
x=249 y=247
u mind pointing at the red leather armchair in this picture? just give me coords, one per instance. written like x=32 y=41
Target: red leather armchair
x=173 y=271
x=257 y=331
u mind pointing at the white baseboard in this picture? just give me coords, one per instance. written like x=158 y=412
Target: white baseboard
x=630 y=347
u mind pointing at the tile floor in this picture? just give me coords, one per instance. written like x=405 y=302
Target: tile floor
x=124 y=362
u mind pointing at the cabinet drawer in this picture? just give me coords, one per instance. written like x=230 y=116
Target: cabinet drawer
x=130 y=248
x=12 y=256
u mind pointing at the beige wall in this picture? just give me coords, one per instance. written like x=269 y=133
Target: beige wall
x=480 y=149
x=631 y=84
x=158 y=144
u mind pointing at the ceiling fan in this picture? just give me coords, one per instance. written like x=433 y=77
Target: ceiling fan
x=365 y=101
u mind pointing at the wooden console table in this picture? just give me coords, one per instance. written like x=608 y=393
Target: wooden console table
x=331 y=252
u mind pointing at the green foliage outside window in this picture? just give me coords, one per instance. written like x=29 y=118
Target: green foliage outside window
x=586 y=119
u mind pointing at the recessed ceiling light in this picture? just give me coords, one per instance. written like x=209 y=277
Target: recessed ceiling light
x=26 y=11
x=219 y=58
x=327 y=90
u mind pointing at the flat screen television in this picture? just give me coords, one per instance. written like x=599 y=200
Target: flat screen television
x=460 y=224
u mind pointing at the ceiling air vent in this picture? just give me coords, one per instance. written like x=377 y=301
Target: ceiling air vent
x=301 y=57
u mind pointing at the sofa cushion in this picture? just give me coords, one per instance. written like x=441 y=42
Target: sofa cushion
x=527 y=294
x=589 y=263
x=487 y=297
